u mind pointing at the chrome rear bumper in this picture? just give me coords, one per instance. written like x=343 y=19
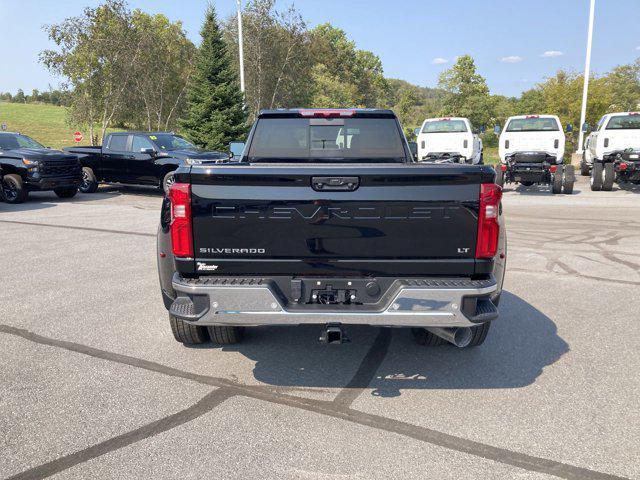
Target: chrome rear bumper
x=412 y=303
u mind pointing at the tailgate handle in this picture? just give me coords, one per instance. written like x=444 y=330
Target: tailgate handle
x=333 y=184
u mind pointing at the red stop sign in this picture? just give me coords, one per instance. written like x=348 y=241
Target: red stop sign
x=77 y=136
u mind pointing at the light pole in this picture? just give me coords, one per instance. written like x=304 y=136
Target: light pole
x=240 y=45
x=587 y=70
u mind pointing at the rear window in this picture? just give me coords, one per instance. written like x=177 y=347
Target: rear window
x=118 y=143
x=444 y=126
x=624 y=122
x=533 y=125
x=330 y=140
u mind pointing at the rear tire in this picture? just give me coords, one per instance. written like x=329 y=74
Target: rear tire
x=167 y=181
x=609 y=177
x=13 y=190
x=479 y=334
x=569 y=179
x=89 y=181
x=596 y=176
x=65 y=192
x=499 y=176
x=584 y=168
x=556 y=181
x=527 y=184
x=224 y=335
x=426 y=338
x=186 y=333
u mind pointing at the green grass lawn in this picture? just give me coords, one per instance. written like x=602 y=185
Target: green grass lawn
x=491 y=155
x=47 y=124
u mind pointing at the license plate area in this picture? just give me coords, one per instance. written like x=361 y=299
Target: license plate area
x=337 y=291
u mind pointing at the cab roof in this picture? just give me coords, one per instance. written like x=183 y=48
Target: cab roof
x=621 y=113
x=533 y=115
x=138 y=132
x=326 y=113
x=439 y=119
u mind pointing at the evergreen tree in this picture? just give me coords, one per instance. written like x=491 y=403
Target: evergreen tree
x=215 y=113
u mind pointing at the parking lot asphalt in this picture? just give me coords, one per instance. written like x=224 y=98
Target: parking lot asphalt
x=93 y=384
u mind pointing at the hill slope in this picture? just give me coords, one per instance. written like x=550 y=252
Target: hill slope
x=47 y=124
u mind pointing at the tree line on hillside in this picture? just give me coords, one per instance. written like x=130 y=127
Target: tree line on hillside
x=129 y=69
x=52 y=96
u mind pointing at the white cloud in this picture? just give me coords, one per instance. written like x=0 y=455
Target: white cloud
x=439 y=61
x=552 y=53
x=638 y=47
x=511 y=59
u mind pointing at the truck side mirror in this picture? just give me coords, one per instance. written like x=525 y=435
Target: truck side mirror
x=148 y=151
x=569 y=128
x=585 y=127
x=496 y=129
x=236 y=149
x=413 y=147
x=416 y=131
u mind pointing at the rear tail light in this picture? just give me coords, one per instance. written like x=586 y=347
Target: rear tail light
x=465 y=144
x=181 y=236
x=556 y=143
x=488 y=226
x=606 y=142
x=623 y=167
x=503 y=167
x=553 y=168
x=506 y=144
x=328 y=113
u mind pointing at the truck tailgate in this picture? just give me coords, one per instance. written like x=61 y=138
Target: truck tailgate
x=393 y=220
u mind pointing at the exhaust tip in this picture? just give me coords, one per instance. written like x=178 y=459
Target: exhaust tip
x=462 y=337
x=458 y=336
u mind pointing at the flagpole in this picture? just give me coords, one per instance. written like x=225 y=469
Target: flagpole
x=240 y=45
x=587 y=70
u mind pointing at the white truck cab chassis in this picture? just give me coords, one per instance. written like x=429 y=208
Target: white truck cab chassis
x=612 y=151
x=449 y=139
x=531 y=150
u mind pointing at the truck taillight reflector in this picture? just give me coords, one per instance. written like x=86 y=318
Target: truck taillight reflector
x=181 y=236
x=488 y=226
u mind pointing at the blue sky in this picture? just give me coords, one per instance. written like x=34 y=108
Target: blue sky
x=508 y=39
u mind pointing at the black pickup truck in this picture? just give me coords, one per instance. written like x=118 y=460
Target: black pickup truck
x=326 y=219
x=139 y=158
x=28 y=166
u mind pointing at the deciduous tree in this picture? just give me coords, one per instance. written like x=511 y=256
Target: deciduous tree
x=97 y=52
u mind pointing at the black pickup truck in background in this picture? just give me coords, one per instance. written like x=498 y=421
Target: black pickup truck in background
x=139 y=158
x=326 y=219
x=28 y=166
